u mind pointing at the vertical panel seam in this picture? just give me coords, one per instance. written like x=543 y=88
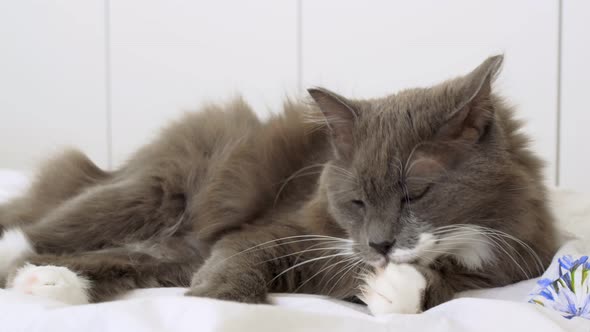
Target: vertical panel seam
x=299 y=46
x=558 y=95
x=108 y=96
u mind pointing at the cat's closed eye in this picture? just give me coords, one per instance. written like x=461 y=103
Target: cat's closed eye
x=358 y=203
x=412 y=196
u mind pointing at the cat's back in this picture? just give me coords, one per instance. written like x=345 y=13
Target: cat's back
x=196 y=135
x=201 y=144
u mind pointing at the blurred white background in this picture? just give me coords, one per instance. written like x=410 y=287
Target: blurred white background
x=103 y=75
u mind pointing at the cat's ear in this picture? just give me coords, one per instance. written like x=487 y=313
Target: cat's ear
x=474 y=111
x=340 y=116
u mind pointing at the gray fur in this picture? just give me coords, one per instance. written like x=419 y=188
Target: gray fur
x=234 y=207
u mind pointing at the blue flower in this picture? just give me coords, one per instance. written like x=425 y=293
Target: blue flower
x=567 y=263
x=546 y=294
x=569 y=294
x=545 y=282
x=569 y=304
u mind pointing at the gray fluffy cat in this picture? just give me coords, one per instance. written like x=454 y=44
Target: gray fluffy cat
x=401 y=201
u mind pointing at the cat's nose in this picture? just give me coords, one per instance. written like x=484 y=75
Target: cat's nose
x=382 y=247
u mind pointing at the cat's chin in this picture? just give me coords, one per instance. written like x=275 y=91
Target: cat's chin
x=379 y=263
x=404 y=259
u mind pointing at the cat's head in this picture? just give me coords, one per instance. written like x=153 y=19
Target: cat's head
x=409 y=168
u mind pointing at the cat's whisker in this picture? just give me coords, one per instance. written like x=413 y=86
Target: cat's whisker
x=348 y=260
x=316 y=274
x=295 y=175
x=341 y=192
x=407 y=197
x=399 y=167
x=300 y=238
x=530 y=250
x=428 y=259
x=344 y=274
x=426 y=180
x=502 y=235
x=341 y=169
x=345 y=248
x=458 y=239
x=495 y=238
x=345 y=260
x=321 y=242
x=304 y=263
x=363 y=274
x=511 y=257
x=495 y=245
x=346 y=174
x=339 y=272
x=327 y=242
x=350 y=181
x=331 y=266
x=340 y=249
x=405 y=168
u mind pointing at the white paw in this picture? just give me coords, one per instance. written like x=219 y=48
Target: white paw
x=54 y=282
x=399 y=288
x=14 y=246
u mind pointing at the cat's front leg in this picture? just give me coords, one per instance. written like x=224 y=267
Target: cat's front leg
x=230 y=282
x=409 y=288
x=397 y=288
x=243 y=264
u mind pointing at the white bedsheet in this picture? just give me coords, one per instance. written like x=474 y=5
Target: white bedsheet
x=502 y=309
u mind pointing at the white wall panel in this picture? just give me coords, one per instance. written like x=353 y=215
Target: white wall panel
x=373 y=48
x=172 y=56
x=51 y=80
x=575 y=93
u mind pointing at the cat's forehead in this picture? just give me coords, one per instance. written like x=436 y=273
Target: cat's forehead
x=398 y=122
x=391 y=127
